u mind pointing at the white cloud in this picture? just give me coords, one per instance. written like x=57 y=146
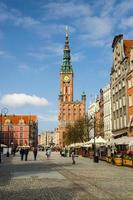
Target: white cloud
x=5 y=54
x=18 y=100
x=77 y=57
x=48 y=118
x=67 y=9
x=23 y=67
x=26 y=22
x=122 y=8
x=48 y=50
x=14 y=16
x=96 y=27
x=2 y=53
x=127 y=22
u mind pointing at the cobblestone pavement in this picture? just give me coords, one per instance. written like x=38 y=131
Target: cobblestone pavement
x=58 y=179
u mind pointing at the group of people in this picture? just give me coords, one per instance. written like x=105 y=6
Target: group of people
x=25 y=150
x=24 y=153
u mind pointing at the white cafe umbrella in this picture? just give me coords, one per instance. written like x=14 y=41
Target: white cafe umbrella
x=100 y=140
x=90 y=141
x=131 y=144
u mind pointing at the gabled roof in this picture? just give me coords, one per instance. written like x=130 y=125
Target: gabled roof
x=127 y=45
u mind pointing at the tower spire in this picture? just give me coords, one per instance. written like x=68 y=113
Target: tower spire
x=67 y=40
x=66 y=66
x=66 y=31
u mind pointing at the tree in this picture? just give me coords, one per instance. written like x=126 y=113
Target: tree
x=79 y=131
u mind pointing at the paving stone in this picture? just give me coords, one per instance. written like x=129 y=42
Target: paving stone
x=58 y=179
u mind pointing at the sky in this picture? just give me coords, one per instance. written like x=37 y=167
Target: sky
x=32 y=36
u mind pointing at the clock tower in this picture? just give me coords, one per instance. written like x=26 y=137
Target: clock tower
x=69 y=110
x=66 y=74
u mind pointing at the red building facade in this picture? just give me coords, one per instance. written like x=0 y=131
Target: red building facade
x=19 y=130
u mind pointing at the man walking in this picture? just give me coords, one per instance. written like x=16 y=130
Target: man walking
x=35 y=152
x=73 y=157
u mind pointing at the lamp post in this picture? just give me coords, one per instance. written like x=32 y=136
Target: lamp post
x=9 y=137
x=95 y=157
x=94 y=139
x=3 y=111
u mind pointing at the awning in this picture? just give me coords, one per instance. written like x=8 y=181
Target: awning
x=117 y=135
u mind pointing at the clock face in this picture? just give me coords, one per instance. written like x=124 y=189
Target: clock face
x=66 y=79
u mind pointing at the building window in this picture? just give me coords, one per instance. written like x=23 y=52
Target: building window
x=116 y=105
x=130 y=100
x=132 y=81
x=66 y=90
x=114 y=124
x=113 y=106
x=113 y=91
x=121 y=124
x=124 y=102
x=121 y=112
x=124 y=110
x=123 y=83
x=117 y=123
x=129 y=83
x=119 y=71
x=119 y=86
x=125 y=123
x=120 y=103
x=131 y=120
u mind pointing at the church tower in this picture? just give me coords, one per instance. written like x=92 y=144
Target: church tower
x=69 y=111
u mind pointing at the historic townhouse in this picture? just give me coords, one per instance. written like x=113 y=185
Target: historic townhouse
x=107 y=112
x=69 y=110
x=19 y=130
x=119 y=103
x=101 y=110
x=130 y=94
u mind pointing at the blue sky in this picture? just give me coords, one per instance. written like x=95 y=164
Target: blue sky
x=32 y=35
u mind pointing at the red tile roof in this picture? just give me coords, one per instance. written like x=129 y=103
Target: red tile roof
x=127 y=45
x=15 y=118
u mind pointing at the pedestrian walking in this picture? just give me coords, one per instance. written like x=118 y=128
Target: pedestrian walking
x=35 y=152
x=26 y=153
x=73 y=157
x=48 y=153
x=22 y=152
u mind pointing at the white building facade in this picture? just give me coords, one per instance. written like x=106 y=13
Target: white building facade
x=107 y=112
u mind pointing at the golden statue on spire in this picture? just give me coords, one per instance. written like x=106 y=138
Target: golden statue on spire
x=66 y=31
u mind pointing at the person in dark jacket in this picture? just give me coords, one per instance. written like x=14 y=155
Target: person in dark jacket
x=22 y=152
x=26 y=153
x=35 y=152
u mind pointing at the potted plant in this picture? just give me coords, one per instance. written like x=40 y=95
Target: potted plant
x=127 y=160
x=117 y=160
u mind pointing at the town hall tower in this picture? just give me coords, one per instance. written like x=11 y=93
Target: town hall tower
x=69 y=111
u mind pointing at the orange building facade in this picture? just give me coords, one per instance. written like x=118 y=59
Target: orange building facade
x=19 y=130
x=69 y=110
x=130 y=94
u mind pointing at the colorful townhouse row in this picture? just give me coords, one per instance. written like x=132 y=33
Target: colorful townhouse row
x=113 y=107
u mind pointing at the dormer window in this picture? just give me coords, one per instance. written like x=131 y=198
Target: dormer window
x=21 y=121
x=7 y=121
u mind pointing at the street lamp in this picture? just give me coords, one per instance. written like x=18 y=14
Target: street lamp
x=9 y=137
x=95 y=158
x=3 y=111
x=95 y=139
